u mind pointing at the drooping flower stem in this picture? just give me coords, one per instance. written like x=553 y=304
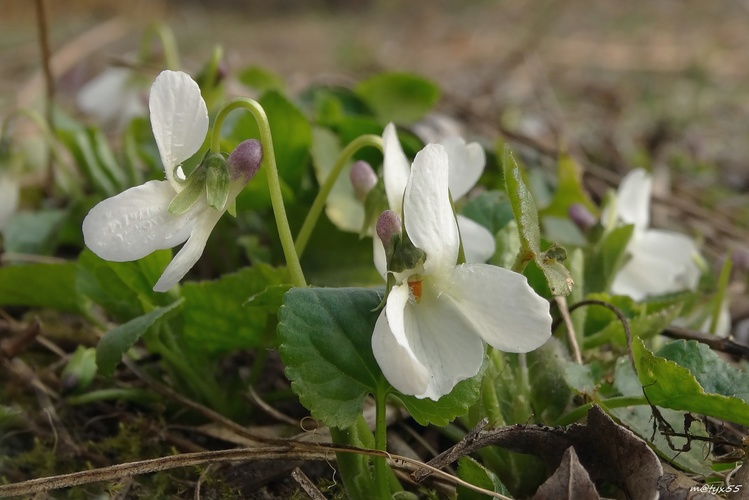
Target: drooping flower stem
x=168 y=44
x=317 y=206
x=274 y=184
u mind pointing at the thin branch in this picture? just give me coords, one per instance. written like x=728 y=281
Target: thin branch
x=722 y=344
x=308 y=486
x=49 y=83
x=561 y=301
x=289 y=451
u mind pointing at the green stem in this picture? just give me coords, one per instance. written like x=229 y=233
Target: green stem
x=168 y=43
x=607 y=404
x=489 y=398
x=723 y=281
x=380 y=466
x=317 y=206
x=173 y=354
x=274 y=183
x=525 y=255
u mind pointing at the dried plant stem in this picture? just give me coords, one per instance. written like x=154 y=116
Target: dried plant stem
x=49 y=84
x=571 y=335
x=288 y=451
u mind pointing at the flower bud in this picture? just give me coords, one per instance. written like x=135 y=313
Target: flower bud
x=363 y=178
x=388 y=225
x=581 y=216
x=245 y=160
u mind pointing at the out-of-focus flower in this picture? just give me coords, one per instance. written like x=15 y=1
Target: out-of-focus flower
x=430 y=334
x=659 y=261
x=115 y=96
x=162 y=214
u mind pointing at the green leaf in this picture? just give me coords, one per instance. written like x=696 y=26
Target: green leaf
x=116 y=342
x=550 y=393
x=325 y=336
x=526 y=215
x=448 y=407
x=40 y=285
x=712 y=373
x=260 y=79
x=522 y=203
x=80 y=370
x=91 y=152
x=607 y=258
x=402 y=98
x=491 y=209
x=640 y=420
x=216 y=319
x=669 y=385
x=34 y=232
x=569 y=189
x=471 y=471
x=123 y=289
x=643 y=323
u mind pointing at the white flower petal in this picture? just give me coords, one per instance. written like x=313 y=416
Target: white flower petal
x=467 y=163
x=179 y=119
x=380 y=259
x=425 y=344
x=500 y=306
x=395 y=169
x=633 y=199
x=478 y=243
x=111 y=96
x=136 y=222
x=660 y=262
x=190 y=252
x=428 y=214
x=393 y=355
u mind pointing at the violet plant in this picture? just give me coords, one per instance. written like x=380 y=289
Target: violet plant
x=461 y=330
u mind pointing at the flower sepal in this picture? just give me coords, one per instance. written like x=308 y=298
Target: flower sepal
x=375 y=202
x=191 y=192
x=217 y=181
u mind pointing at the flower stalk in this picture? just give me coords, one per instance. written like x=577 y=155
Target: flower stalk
x=274 y=183
x=317 y=206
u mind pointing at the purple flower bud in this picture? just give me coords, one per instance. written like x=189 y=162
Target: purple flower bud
x=581 y=216
x=388 y=225
x=245 y=160
x=363 y=178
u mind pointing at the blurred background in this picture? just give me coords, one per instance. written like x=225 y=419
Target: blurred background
x=620 y=83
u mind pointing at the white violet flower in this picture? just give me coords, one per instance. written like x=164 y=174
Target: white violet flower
x=138 y=221
x=466 y=161
x=430 y=334
x=114 y=96
x=659 y=261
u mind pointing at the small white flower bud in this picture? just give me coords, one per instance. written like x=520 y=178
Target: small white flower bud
x=388 y=224
x=363 y=178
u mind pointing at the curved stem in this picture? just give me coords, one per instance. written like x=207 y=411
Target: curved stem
x=274 y=183
x=168 y=44
x=317 y=206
